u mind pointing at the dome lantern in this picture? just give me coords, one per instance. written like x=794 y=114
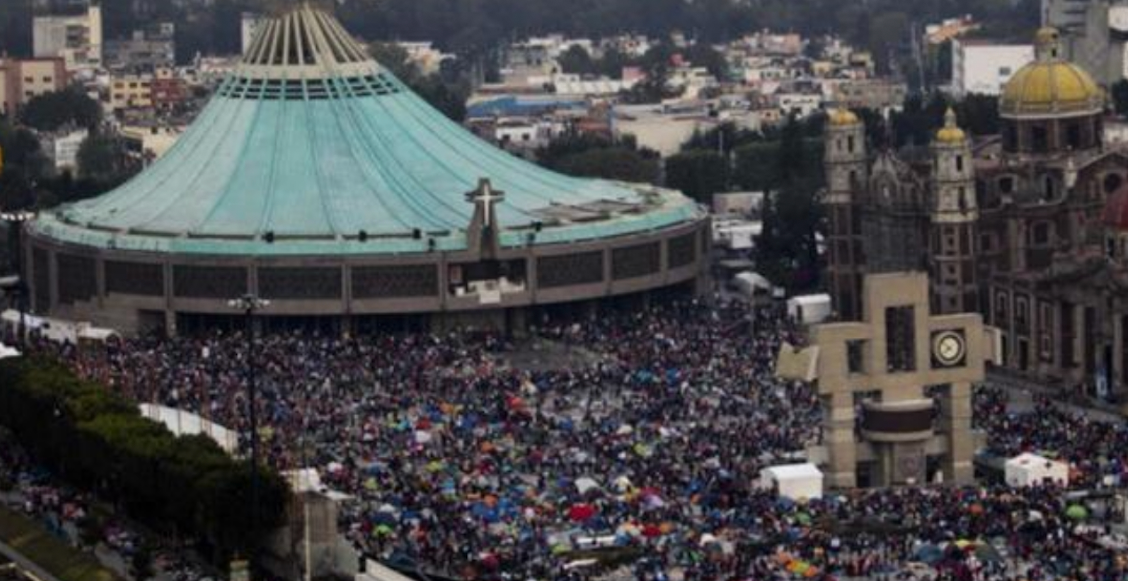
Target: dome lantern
x=951 y=132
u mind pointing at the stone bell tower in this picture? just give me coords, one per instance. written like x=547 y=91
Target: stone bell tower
x=845 y=165
x=954 y=216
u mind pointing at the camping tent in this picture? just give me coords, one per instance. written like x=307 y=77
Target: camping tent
x=1030 y=469
x=809 y=309
x=8 y=352
x=794 y=481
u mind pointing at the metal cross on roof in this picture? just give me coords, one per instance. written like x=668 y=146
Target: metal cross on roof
x=487 y=196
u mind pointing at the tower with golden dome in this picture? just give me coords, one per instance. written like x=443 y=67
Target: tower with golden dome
x=1026 y=227
x=1051 y=105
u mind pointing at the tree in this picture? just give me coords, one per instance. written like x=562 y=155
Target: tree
x=577 y=61
x=698 y=173
x=102 y=158
x=449 y=98
x=586 y=155
x=612 y=163
x=55 y=110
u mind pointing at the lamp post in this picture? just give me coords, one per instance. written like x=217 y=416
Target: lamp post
x=16 y=220
x=250 y=304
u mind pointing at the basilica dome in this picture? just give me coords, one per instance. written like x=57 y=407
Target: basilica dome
x=1050 y=85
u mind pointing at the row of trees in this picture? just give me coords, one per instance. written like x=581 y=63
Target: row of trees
x=98 y=441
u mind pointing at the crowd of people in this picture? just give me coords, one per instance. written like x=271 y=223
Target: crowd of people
x=639 y=440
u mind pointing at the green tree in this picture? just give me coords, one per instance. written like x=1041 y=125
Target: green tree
x=447 y=97
x=55 y=110
x=576 y=60
x=103 y=158
x=698 y=173
x=612 y=163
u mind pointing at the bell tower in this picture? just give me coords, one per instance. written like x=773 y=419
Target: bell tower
x=845 y=165
x=954 y=215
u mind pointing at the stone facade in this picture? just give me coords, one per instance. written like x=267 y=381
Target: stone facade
x=909 y=374
x=1009 y=226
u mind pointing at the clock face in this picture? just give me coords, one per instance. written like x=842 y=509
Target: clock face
x=948 y=348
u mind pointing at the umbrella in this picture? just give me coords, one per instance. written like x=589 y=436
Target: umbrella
x=929 y=554
x=988 y=553
x=651 y=531
x=975 y=509
x=803 y=518
x=383 y=530
x=624 y=430
x=1077 y=512
x=581 y=512
x=586 y=484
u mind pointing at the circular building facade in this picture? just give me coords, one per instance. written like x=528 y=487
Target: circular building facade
x=317 y=180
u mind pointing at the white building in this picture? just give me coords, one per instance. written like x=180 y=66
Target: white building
x=984 y=68
x=66 y=150
x=734 y=233
x=248 y=26
x=1100 y=42
x=1066 y=15
x=801 y=105
x=77 y=39
x=662 y=128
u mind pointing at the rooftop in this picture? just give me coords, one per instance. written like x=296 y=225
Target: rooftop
x=310 y=146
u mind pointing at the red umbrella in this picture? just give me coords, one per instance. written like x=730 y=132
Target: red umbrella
x=581 y=512
x=650 y=531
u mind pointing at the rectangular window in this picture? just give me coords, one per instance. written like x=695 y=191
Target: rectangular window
x=855 y=356
x=900 y=339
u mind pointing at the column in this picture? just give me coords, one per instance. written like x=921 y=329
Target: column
x=840 y=442
x=955 y=421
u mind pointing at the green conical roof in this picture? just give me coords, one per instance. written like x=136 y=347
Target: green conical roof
x=310 y=142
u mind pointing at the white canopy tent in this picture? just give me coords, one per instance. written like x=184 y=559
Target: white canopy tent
x=1031 y=469
x=7 y=352
x=809 y=309
x=794 y=481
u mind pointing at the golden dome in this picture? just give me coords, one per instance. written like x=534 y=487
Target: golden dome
x=1050 y=85
x=840 y=117
x=951 y=132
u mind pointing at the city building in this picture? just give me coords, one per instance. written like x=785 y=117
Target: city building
x=169 y=90
x=64 y=149
x=77 y=39
x=146 y=51
x=982 y=67
x=23 y=79
x=1027 y=227
x=131 y=92
x=1099 y=43
x=318 y=181
x=874 y=94
x=946 y=30
x=1068 y=16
